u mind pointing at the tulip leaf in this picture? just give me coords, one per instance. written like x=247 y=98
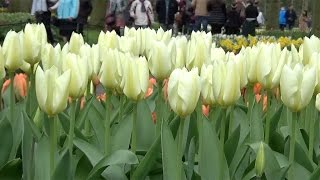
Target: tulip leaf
x=12 y=170
x=211 y=164
x=65 y=122
x=122 y=136
x=117 y=157
x=169 y=154
x=232 y=144
x=145 y=127
x=42 y=159
x=18 y=127
x=275 y=118
x=64 y=168
x=239 y=161
x=83 y=168
x=114 y=172
x=149 y=159
x=28 y=122
x=316 y=174
x=191 y=157
x=256 y=128
x=83 y=114
x=97 y=119
x=6 y=134
x=92 y=153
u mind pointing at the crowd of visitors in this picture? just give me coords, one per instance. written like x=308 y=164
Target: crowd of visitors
x=241 y=17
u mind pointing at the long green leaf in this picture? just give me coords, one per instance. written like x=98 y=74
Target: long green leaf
x=65 y=122
x=117 y=157
x=42 y=159
x=27 y=151
x=6 y=134
x=64 y=170
x=12 y=170
x=83 y=168
x=92 y=153
x=122 y=134
x=191 y=157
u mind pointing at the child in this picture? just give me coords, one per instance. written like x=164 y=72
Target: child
x=233 y=22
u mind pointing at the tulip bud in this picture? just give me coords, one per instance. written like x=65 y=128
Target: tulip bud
x=52 y=90
x=31 y=44
x=160 y=60
x=76 y=41
x=111 y=72
x=2 y=70
x=226 y=82
x=241 y=64
x=94 y=62
x=181 y=48
x=251 y=56
x=217 y=54
x=135 y=78
x=79 y=74
x=310 y=45
x=183 y=91
x=297 y=86
x=51 y=57
x=318 y=102
x=12 y=51
x=207 y=85
x=127 y=45
x=197 y=53
x=260 y=161
x=108 y=40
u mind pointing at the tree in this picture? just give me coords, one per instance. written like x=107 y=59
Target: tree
x=20 y=5
x=98 y=13
x=316 y=18
x=273 y=7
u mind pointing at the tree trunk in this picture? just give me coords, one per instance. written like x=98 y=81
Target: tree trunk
x=98 y=13
x=273 y=7
x=316 y=18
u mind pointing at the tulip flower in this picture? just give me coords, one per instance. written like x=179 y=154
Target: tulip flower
x=135 y=34
x=51 y=56
x=52 y=90
x=260 y=161
x=318 y=102
x=108 y=40
x=181 y=49
x=217 y=54
x=241 y=64
x=197 y=53
x=79 y=74
x=270 y=64
x=226 y=82
x=183 y=91
x=20 y=85
x=12 y=50
x=149 y=92
x=135 y=78
x=127 y=44
x=161 y=59
x=310 y=45
x=2 y=70
x=205 y=110
x=297 y=86
x=75 y=43
x=110 y=74
x=251 y=57
x=207 y=85
x=94 y=61
x=31 y=44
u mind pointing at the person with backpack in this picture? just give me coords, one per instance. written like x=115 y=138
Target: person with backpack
x=142 y=13
x=166 y=10
x=233 y=22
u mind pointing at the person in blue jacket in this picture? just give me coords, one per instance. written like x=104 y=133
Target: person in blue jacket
x=67 y=11
x=282 y=19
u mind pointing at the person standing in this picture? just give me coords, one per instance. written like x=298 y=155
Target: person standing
x=251 y=14
x=117 y=10
x=217 y=15
x=166 y=10
x=304 y=21
x=67 y=11
x=291 y=17
x=282 y=19
x=141 y=11
x=84 y=12
x=201 y=14
x=43 y=15
x=233 y=22
x=260 y=18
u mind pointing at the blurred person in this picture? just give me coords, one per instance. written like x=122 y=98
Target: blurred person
x=260 y=18
x=233 y=22
x=84 y=12
x=291 y=17
x=142 y=13
x=201 y=14
x=217 y=15
x=116 y=15
x=249 y=26
x=40 y=9
x=166 y=10
x=304 y=21
x=67 y=11
x=282 y=19
x=241 y=8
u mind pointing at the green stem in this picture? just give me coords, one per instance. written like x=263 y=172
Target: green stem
x=159 y=106
x=251 y=100
x=122 y=99
x=1 y=85
x=12 y=97
x=107 y=143
x=180 y=150
x=134 y=130
x=87 y=121
x=268 y=118
x=292 y=119
x=72 y=124
x=231 y=121
x=222 y=137
x=53 y=142
x=311 y=135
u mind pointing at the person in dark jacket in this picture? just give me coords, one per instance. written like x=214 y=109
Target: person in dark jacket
x=217 y=15
x=166 y=10
x=291 y=17
x=84 y=12
x=233 y=22
x=249 y=26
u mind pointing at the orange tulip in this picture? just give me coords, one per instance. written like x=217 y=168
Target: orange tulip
x=19 y=83
x=257 y=88
x=154 y=117
x=102 y=97
x=165 y=89
x=205 y=110
x=149 y=92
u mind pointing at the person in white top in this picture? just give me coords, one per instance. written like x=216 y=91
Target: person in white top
x=260 y=18
x=141 y=11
